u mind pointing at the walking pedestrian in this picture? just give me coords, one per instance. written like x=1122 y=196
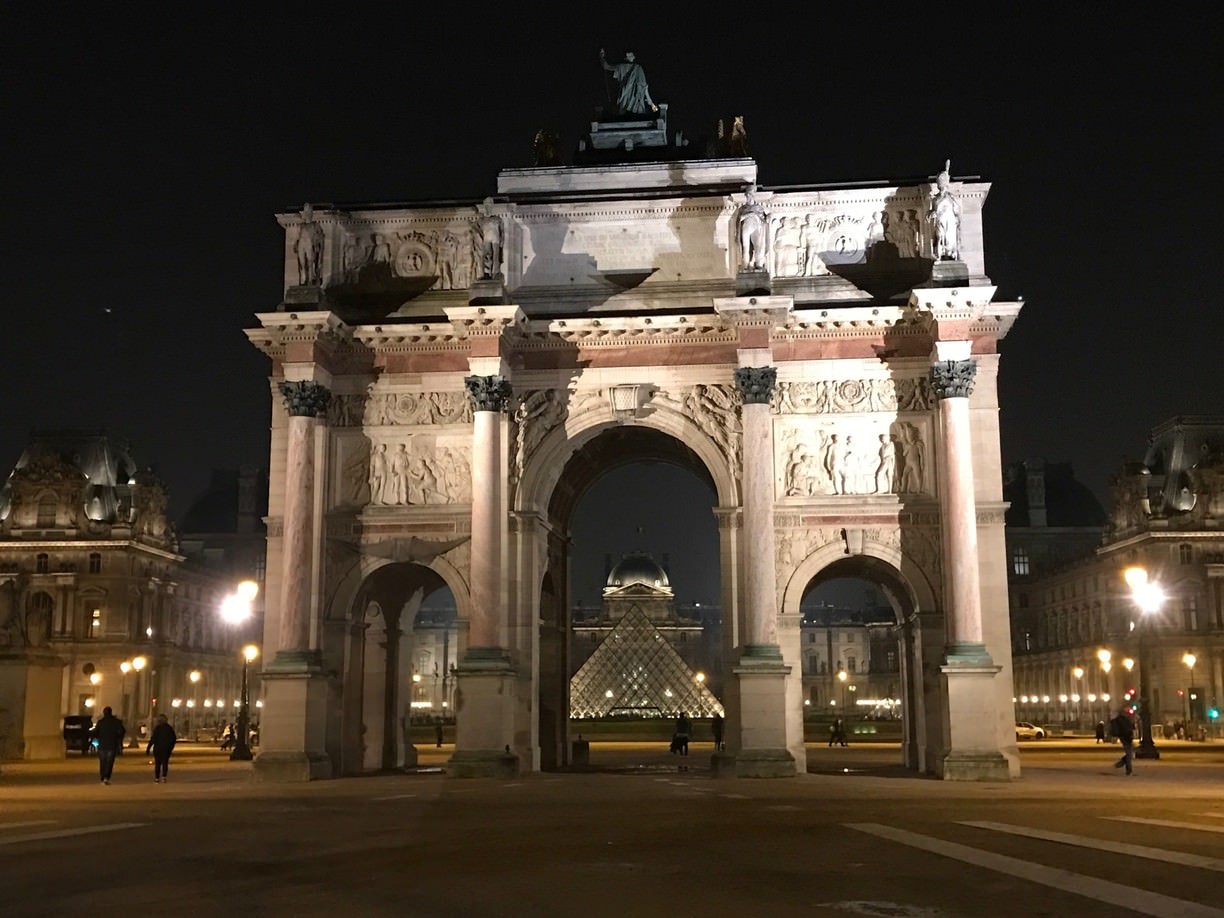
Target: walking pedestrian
x=683 y=728
x=108 y=731
x=438 y=732
x=837 y=732
x=161 y=744
x=1100 y=731
x=716 y=727
x=1124 y=730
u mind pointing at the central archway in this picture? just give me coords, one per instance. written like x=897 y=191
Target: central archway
x=577 y=464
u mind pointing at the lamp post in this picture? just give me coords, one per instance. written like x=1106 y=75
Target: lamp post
x=236 y=609
x=138 y=665
x=125 y=667
x=242 y=749
x=842 y=677
x=1189 y=659
x=1078 y=673
x=1148 y=598
x=194 y=676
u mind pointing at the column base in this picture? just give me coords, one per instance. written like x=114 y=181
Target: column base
x=485 y=698
x=295 y=661
x=1147 y=752
x=291 y=743
x=722 y=764
x=43 y=747
x=971 y=766
x=483 y=764
x=291 y=767
x=959 y=653
x=763 y=751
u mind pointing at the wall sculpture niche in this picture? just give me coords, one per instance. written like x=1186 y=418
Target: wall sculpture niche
x=815 y=458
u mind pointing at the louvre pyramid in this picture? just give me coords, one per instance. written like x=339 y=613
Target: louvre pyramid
x=636 y=671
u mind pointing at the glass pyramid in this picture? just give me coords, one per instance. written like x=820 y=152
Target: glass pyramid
x=635 y=671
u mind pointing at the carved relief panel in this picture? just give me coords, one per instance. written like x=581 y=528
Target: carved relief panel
x=404 y=470
x=819 y=456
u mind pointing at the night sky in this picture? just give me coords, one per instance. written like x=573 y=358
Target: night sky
x=147 y=154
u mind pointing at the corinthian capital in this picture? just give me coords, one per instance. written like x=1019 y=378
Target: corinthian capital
x=488 y=393
x=756 y=384
x=305 y=398
x=953 y=378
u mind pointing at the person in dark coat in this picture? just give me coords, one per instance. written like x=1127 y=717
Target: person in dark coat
x=109 y=733
x=1124 y=730
x=1100 y=731
x=161 y=744
x=716 y=727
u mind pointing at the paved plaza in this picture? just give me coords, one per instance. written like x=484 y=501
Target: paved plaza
x=636 y=835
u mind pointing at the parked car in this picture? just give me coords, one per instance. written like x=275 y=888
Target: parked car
x=77 y=736
x=1029 y=731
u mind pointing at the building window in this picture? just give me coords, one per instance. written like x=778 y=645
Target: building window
x=1185 y=554
x=1020 y=561
x=261 y=568
x=811 y=637
x=47 y=505
x=850 y=664
x=95 y=563
x=1023 y=600
x=42 y=564
x=892 y=661
x=1190 y=612
x=95 y=622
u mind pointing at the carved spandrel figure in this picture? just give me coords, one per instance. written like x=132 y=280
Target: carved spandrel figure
x=490 y=226
x=886 y=470
x=752 y=227
x=944 y=219
x=633 y=95
x=309 y=249
x=912 y=460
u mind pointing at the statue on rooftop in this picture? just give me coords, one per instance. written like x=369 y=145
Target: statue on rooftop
x=944 y=219
x=753 y=230
x=489 y=226
x=309 y=249
x=633 y=96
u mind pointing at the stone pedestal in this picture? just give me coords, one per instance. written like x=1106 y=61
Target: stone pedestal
x=31 y=690
x=304 y=295
x=485 y=698
x=753 y=283
x=631 y=132
x=973 y=753
x=487 y=292
x=949 y=274
x=763 y=749
x=291 y=734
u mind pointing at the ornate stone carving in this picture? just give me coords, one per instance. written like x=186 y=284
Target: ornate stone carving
x=852 y=460
x=827 y=396
x=308 y=247
x=904 y=230
x=756 y=384
x=953 y=378
x=304 y=398
x=488 y=393
x=752 y=228
x=394 y=408
x=405 y=474
x=489 y=232
x=793 y=545
x=538 y=412
x=943 y=216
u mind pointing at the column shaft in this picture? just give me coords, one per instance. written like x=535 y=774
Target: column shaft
x=758 y=532
x=297 y=538
x=483 y=628
x=960 y=509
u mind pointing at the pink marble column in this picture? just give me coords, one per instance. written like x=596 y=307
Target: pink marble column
x=489 y=396
x=305 y=402
x=756 y=386
x=952 y=382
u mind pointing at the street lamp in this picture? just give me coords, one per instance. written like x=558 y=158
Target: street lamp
x=1189 y=659
x=194 y=676
x=125 y=667
x=1078 y=673
x=242 y=749
x=842 y=677
x=1148 y=598
x=236 y=609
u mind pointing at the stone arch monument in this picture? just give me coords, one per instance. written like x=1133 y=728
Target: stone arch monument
x=443 y=412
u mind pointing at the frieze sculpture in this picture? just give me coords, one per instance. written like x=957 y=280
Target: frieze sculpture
x=894 y=462
x=944 y=217
x=756 y=384
x=308 y=247
x=488 y=393
x=752 y=230
x=827 y=396
x=396 y=408
x=490 y=235
x=402 y=477
x=304 y=398
x=633 y=95
x=953 y=378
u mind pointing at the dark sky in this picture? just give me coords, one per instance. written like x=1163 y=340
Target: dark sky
x=146 y=155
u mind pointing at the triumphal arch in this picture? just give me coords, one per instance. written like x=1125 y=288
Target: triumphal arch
x=447 y=379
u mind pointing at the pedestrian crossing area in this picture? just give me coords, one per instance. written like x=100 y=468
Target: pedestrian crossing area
x=974 y=848
x=37 y=830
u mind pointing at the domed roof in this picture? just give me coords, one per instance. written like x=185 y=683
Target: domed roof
x=638 y=568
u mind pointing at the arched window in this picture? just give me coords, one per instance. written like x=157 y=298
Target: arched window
x=42 y=564
x=48 y=504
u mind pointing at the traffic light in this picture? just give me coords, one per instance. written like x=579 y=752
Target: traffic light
x=1214 y=713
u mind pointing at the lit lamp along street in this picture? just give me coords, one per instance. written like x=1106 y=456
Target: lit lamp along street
x=236 y=610
x=1148 y=598
x=1190 y=659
